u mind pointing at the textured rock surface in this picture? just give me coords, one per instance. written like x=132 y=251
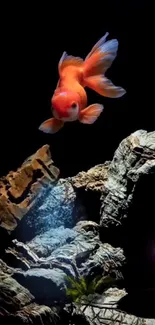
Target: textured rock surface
x=60 y=233
x=104 y=309
x=88 y=187
x=93 y=179
x=17 y=303
x=19 y=255
x=19 y=189
x=44 y=244
x=46 y=284
x=134 y=158
x=56 y=206
x=84 y=255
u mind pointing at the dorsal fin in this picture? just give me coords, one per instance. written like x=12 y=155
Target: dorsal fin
x=67 y=60
x=100 y=43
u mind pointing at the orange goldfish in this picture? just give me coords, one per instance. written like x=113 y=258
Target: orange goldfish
x=69 y=101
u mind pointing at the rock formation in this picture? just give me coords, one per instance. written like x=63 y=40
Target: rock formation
x=104 y=309
x=82 y=226
x=17 y=303
x=133 y=160
x=19 y=189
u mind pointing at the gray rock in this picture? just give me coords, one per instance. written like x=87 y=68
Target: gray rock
x=4 y=268
x=85 y=255
x=17 y=304
x=55 y=239
x=45 y=243
x=90 y=256
x=104 y=309
x=46 y=285
x=87 y=226
x=24 y=249
x=18 y=294
x=19 y=255
x=134 y=158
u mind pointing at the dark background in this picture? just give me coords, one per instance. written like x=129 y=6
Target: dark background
x=32 y=41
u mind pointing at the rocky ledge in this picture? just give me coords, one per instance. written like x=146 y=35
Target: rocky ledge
x=94 y=230
x=17 y=304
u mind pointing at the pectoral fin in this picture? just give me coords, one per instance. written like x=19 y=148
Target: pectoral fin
x=51 y=125
x=90 y=114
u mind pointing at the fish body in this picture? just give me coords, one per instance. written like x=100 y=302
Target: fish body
x=69 y=100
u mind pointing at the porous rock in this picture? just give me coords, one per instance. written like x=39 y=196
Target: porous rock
x=93 y=179
x=19 y=188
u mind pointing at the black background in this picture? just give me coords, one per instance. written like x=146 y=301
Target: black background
x=32 y=41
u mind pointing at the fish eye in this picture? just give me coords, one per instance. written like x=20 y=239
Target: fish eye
x=73 y=105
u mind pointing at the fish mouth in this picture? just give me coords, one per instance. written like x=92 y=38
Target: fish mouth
x=60 y=115
x=65 y=118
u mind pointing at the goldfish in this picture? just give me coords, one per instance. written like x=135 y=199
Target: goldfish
x=69 y=100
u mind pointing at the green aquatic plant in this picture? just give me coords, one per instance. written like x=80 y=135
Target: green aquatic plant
x=81 y=287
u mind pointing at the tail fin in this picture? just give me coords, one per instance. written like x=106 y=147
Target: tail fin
x=97 y=62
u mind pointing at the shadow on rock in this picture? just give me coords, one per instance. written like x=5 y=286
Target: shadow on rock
x=139 y=303
x=91 y=201
x=139 y=239
x=139 y=249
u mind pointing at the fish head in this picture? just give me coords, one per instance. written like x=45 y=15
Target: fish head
x=66 y=105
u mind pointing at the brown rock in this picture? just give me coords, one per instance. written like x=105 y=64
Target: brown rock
x=93 y=179
x=19 y=188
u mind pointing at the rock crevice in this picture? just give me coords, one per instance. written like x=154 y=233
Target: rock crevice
x=99 y=223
